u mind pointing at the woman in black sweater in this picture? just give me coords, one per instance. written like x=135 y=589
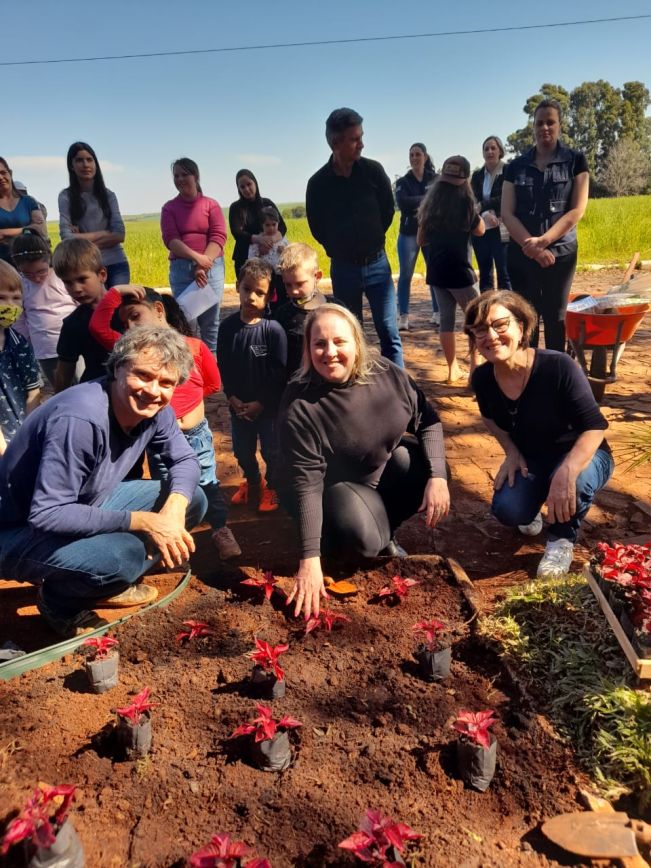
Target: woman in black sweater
x=245 y=220
x=490 y=248
x=539 y=407
x=349 y=475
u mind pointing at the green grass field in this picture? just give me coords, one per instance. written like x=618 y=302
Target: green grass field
x=611 y=231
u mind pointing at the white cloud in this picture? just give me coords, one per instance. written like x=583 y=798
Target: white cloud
x=45 y=163
x=259 y=159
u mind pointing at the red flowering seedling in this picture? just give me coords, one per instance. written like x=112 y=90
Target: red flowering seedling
x=196 y=630
x=432 y=630
x=267 y=583
x=222 y=852
x=267 y=656
x=400 y=588
x=138 y=707
x=102 y=646
x=37 y=822
x=379 y=840
x=326 y=618
x=265 y=726
x=134 y=726
x=475 y=726
x=271 y=749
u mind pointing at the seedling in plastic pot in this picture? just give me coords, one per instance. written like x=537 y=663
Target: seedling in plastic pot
x=476 y=748
x=380 y=841
x=271 y=748
x=398 y=589
x=48 y=836
x=194 y=630
x=134 y=725
x=222 y=852
x=433 y=658
x=102 y=663
x=267 y=583
x=268 y=678
x=326 y=619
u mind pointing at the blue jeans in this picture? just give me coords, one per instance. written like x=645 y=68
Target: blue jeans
x=407 y=255
x=200 y=439
x=181 y=276
x=521 y=504
x=349 y=282
x=489 y=249
x=76 y=572
x=117 y=274
x=245 y=443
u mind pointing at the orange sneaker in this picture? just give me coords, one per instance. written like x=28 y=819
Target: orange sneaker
x=241 y=496
x=268 y=499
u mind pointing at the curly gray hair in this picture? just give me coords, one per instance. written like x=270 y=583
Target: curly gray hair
x=169 y=346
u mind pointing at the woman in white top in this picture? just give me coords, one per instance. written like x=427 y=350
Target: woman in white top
x=490 y=248
x=88 y=210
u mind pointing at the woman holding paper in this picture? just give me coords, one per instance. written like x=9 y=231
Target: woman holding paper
x=194 y=232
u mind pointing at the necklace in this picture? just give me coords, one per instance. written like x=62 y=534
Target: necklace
x=512 y=405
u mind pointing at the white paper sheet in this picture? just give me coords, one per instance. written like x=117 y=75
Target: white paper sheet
x=195 y=300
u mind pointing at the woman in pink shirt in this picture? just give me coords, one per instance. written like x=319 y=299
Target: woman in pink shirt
x=194 y=232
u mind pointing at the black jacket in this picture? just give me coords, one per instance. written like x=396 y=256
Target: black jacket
x=410 y=192
x=244 y=221
x=494 y=201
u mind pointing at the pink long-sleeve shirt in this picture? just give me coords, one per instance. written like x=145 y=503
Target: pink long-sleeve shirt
x=195 y=223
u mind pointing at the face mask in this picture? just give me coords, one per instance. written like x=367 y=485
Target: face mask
x=9 y=313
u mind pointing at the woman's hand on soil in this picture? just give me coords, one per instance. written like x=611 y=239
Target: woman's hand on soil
x=436 y=501
x=512 y=464
x=309 y=588
x=561 y=500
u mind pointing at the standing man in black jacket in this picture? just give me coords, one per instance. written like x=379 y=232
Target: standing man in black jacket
x=350 y=206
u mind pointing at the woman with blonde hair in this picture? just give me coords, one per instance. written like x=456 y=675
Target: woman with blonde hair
x=348 y=474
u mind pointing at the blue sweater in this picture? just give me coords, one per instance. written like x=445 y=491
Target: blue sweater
x=70 y=455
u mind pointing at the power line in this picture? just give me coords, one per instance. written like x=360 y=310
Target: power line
x=358 y=39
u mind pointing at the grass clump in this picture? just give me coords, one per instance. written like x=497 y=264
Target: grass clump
x=555 y=635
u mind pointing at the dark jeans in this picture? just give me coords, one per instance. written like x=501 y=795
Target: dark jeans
x=117 y=274
x=76 y=572
x=490 y=249
x=521 y=504
x=546 y=289
x=351 y=282
x=245 y=437
x=361 y=520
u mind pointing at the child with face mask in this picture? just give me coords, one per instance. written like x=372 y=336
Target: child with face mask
x=20 y=382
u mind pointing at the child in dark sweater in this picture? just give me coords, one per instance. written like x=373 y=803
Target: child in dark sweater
x=252 y=353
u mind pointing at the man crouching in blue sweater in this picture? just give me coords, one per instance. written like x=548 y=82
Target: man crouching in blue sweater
x=68 y=522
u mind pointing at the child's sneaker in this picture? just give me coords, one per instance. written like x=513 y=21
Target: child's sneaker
x=268 y=499
x=557 y=559
x=241 y=496
x=226 y=544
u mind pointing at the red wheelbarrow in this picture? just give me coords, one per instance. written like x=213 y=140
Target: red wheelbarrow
x=605 y=328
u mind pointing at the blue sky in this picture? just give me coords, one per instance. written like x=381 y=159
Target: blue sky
x=266 y=109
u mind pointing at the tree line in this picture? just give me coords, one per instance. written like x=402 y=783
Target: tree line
x=609 y=125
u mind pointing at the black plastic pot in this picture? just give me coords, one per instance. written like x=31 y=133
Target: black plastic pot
x=135 y=738
x=627 y=624
x=103 y=672
x=266 y=685
x=66 y=852
x=477 y=763
x=642 y=642
x=433 y=665
x=616 y=597
x=393 y=857
x=273 y=754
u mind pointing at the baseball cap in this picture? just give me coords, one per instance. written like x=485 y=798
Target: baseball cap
x=20 y=187
x=456 y=170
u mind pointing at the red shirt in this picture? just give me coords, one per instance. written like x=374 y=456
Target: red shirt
x=204 y=378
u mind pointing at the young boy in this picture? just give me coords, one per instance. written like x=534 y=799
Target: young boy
x=78 y=263
x=252 y=353
x=299 y=269
x=20 y=383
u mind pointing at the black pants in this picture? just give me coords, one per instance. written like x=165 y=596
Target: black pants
x=358 y=519
x=546 y=289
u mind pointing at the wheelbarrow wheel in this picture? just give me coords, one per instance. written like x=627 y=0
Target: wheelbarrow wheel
x=598 y=372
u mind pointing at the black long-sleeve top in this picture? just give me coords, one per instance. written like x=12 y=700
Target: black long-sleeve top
x=555 y=408
x=494 y=201
x=252 y=360
x=332 y=433
x=244 y=221
x=350 y=216
x=410 y=192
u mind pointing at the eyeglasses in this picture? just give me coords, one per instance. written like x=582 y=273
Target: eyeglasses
x=499 y=326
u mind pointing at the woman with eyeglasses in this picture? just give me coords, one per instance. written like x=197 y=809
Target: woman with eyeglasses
x=539 y=407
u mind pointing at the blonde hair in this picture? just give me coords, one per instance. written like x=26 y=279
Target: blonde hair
x=76 y=255
x=9 y=277
x=298 y=255
x=367 y=359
